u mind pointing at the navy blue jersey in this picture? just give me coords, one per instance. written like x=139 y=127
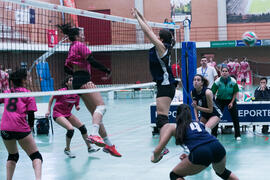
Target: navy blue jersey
x=196 y=135
x=202 y=101
x=160 y=68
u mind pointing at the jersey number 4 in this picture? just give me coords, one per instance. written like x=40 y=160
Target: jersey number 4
x=195 y=125
x=12 y=106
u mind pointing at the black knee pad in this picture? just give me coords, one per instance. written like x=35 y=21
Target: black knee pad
x=225 y=175
x=13 y=157
x=161 y=121
x=36 y=155
x=70 y=133
x=174 y=176
x=83 y=129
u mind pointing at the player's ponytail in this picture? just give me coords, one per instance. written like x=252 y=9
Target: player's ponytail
x=183 y=119
x=71 y=32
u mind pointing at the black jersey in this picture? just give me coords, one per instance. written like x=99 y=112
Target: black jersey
x=202 y=101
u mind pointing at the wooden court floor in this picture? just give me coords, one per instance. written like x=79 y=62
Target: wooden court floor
x=128 y=124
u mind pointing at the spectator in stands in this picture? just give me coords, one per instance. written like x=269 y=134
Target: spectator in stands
x=226 y=90
x=170 y=21
x=211 y=62
x=4 y=83
x=166 y=21
x=207 y=72
x=219 y=66
x=262 y=93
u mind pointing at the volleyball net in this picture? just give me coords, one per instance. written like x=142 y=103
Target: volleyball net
x=30 y=39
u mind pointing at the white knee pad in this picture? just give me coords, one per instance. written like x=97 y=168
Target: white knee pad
x=101 y=109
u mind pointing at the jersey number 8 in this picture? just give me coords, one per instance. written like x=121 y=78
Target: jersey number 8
x=12 y=107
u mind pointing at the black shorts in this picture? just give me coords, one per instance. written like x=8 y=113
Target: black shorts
x=10 y=135
x=166 y=91
x=205 y=154
x=80 y=78
x=54 y=118
x=209 y=115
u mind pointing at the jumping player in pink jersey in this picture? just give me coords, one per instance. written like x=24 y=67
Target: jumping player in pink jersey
x=244 y=68
x=14 y=125
x=78 y=63
x=63 y=116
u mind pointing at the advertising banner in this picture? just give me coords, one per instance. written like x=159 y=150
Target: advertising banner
x=248 y=11
x=252 y=112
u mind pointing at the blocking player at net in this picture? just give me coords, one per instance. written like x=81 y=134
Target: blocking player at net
x=159 y=61
x=14 y=126
x=78 y=63
x=63 y=116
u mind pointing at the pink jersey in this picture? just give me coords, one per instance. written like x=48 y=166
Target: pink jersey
x=14 y=116
x=64 y=104
x=77 y=55
x=236 y=68
x=231 y=67
x=213 y=64
x=4 y=85
x=244 y=66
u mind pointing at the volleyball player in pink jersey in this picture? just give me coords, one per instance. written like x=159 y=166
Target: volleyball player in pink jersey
x=244 y=68
x=63 y=116
x=236 y=69
x=211 y=62
x=78 y=63
x=231 y=66
x=14 y=125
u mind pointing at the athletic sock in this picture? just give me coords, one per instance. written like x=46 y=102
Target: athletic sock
x=95 y=130
x=107 y=141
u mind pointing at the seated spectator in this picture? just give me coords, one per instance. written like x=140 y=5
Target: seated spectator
x=262 y=93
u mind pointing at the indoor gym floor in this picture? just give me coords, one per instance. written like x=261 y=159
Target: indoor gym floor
x=128 y=125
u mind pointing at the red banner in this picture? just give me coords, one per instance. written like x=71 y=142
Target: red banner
x=71 y=3
x=52 y=37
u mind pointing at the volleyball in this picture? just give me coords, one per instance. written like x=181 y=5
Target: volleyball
x=249 y=38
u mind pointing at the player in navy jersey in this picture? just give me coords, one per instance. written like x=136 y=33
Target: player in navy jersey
x=204 y=148
x=160 y=68
x=204 y=103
